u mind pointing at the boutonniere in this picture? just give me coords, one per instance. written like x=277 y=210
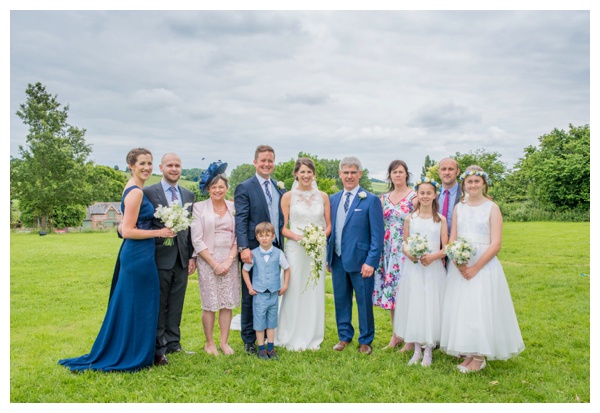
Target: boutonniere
x=233 y=213
x=362 y=194
x=280 y=185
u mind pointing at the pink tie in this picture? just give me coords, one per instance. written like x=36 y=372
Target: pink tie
x=446 y=202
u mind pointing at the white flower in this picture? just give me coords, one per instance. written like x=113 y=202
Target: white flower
x=280 y=185
x=362 y=194
x=314 y=242
x=175 y=217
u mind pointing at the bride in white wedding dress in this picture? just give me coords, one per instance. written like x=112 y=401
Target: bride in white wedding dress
x=302 y=312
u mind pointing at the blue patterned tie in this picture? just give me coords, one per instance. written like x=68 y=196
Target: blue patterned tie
x=174 y=196
x=268 y=192
x=347 y=203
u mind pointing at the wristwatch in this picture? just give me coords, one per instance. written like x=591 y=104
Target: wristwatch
x=240 y=249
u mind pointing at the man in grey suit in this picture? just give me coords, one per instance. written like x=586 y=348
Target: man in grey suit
x=450 y=194
x=174 y=263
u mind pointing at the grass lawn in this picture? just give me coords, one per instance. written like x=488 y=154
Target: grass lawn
x=59 y=288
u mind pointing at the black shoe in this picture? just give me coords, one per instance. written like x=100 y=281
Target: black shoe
x=250 y=348
x=262 y=354
x=160 y=361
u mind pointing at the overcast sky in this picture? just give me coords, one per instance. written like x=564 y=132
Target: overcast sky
x=380 y=85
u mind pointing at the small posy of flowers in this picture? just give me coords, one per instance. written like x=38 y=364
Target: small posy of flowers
x=427 y=180
x=460 y=251
x=280 y=185
x=314 y=240
x=175 y=217
x=416 y=245
x=362 y=194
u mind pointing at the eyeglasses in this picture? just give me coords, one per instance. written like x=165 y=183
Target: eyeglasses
x=346 y=173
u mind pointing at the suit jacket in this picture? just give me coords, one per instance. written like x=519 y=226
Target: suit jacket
x=362 y=236
x=166 y=256
x=203 y=231
x=251 y=209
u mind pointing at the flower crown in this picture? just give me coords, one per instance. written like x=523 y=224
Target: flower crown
x=476 y=173
x=426 y=180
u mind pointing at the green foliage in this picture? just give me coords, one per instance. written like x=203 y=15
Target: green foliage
x=51 y=173
x=198 y=196
x=529 y=211
x=238 y=175
x=426 y=165
x=192 y=174
x=551 y=298
x=106 y=183
x=68 y=216
x=557 y=173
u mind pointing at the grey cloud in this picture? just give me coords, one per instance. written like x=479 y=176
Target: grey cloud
x=312 y=99
x=442 y=115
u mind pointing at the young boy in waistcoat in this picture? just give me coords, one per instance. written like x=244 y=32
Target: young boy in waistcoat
x=266 y=287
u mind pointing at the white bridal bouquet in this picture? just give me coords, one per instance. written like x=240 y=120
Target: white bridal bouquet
x=314 y=240
x=416 y=245
x=460 y=251
x=175 y=217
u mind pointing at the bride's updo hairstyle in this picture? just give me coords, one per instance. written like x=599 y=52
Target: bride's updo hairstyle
x=304 y=161
x=477 y=171
x=133 y=154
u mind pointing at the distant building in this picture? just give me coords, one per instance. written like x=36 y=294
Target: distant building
x=103 y=215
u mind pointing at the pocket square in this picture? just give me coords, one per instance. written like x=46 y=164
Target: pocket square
x=357 y=210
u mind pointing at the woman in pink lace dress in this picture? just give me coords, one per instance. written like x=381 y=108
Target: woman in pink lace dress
x=213 y=237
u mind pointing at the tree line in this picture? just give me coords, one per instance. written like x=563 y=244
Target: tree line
x=52 y=182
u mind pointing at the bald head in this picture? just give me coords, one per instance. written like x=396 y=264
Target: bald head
x=448 y=172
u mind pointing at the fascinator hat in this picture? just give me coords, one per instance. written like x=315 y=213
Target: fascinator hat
x=208 y=175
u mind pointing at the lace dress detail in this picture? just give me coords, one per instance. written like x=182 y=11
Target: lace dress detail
x=220 y=291
x=302 y=311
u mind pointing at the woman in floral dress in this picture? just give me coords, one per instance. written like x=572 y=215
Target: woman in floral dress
x=397 y=205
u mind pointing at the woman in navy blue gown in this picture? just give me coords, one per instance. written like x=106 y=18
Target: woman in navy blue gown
x=127 y=337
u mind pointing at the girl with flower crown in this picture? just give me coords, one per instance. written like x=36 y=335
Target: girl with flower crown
x=479 y=319
x=421 y=289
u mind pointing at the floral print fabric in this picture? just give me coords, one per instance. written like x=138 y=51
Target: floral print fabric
x=389 y=271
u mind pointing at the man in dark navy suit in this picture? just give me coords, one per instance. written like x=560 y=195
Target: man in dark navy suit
x=256 y=200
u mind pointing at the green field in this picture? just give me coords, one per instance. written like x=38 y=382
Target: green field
x=59 y=288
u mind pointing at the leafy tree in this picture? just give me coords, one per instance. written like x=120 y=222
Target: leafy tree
x=428 y=164
x=106 y=183
x=558 y=171
x=68 y=216
x=284 y=171
x=238 y=175
x=116 y=167
x=192 y=174
x=52 y=173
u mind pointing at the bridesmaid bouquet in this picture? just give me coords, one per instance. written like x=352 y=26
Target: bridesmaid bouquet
x=460 y=251
x=175 y=217
x=416 y=245
x=314 y=240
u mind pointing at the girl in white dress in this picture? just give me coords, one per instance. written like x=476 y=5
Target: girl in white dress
x=479 y=318
x=302 y=312
x=420 y=291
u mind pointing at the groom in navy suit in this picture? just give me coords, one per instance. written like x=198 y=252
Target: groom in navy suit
x=353 y=251
x=256 y=200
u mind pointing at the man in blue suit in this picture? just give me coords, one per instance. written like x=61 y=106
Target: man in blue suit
x=256 y=200
x=353 y=251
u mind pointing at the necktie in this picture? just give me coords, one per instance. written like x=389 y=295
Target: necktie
x=446 y=203
x=174 y=196
x=268 y=192
x=347 y=202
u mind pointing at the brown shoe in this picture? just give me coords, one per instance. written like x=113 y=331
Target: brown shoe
x=365 y=348
x=341 y=345
x=160 y=361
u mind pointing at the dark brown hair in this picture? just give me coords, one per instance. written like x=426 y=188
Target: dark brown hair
x=133 y=154
x=435 y=205
x=216 y=179
x=393 y=165
x=304 y=161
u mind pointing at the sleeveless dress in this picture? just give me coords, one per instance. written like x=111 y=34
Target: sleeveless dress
x=392 y=259
x=128 y=334
x=220 y=291
x=478 y=314
x=420 y=295
x=302 y=311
